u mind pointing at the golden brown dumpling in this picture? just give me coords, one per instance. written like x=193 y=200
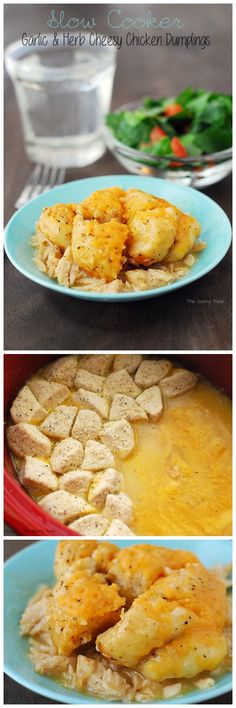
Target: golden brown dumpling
x=104 y=205
x=190 y=598
x=79 y=608
x=187 y=656
x=68 y=552
x=98 y=249
x=150 y=622
x=135 y=568
x=151 y=235
x=136 y=200
x=56 y=222
x=188 y=230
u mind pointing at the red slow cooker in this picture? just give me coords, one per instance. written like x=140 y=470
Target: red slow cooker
x=20 y=511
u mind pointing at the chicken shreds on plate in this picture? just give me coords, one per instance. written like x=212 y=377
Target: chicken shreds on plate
x=92 y=244
x=94 y=636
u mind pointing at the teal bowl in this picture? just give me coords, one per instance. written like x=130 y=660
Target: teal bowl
x=216 y=230
x=33 y=566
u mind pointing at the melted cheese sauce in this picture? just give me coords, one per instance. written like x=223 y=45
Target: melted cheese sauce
x=179 y=475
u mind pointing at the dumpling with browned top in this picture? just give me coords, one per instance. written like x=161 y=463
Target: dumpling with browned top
x=68 y=552
x=188 y=230
x=191 y=598
x=158 y=229
x=186 y=656
x=104 y=205
x=98 y=249
x=136 y=568
x=151 y=234
x=55 y=223
x=136 y=200
x=80 y=607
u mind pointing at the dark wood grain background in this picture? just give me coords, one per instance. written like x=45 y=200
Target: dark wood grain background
x=195 y=317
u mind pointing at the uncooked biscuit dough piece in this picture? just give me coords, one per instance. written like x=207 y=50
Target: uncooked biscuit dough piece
x=36 y=475
x=118 y=528
x=178 y=384
x=58 y=424
x=63 y=370
x=65 y=506
x=109 y=480
x=93 y=401
x=130 y=362
x=97 y=457
x=126 y=407
x=92 y=525
x=87 y=426
x=26 y=408
x=67 y=455
x=119 y=436
x=120 y=382
x=91 y=382
x=97 y=363
x=119 y=506
x=151 y=371
x=151 y=401
x=76 y=481
x=48 y=393
x=26 y=439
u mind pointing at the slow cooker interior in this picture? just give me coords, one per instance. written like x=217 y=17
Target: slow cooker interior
x=217 y=368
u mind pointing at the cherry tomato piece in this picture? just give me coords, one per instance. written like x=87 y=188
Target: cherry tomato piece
x=173 y=109
x=157 y=134
x=177 y=148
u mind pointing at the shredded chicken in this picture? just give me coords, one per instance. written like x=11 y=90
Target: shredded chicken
x=92 y=245
x=173 y=638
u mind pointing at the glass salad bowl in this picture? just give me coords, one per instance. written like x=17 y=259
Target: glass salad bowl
x=198 y=171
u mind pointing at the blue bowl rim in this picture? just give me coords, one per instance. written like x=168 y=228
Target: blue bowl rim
x=120 y=297
x=208 y=694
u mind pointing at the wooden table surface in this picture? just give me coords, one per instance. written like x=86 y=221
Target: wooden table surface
x=195 y=317
x=15 y=694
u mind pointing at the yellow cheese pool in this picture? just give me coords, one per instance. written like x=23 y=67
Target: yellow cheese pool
x=179 y=475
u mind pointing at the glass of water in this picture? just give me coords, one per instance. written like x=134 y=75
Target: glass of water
x=63 y=94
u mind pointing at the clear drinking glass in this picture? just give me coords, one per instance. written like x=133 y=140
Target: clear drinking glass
x=63 y=94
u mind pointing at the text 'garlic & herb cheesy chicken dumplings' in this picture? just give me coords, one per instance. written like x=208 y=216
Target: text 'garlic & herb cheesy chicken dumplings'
x=124 y=445
x=130 y=624
x=116 y=240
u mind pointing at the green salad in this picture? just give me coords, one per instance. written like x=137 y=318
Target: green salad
x=194 y=123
